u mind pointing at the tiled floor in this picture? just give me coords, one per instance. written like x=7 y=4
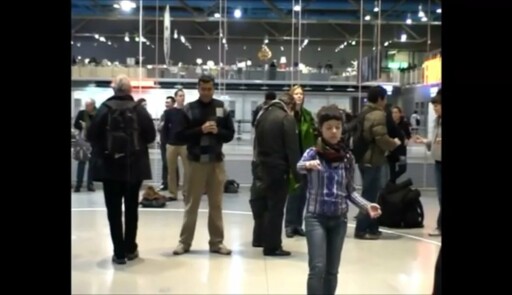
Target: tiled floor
x=400 y=263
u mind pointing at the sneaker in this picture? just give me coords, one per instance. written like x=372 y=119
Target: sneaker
x=221 y=249
x=181 y=249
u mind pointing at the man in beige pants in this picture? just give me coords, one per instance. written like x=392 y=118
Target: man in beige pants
x=173 y=121
x=207 y=126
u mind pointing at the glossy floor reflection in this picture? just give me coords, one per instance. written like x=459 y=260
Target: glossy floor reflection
x=400 y=263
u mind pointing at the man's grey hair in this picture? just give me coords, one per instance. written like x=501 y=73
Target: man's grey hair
x=90 y=101
x=122 y=85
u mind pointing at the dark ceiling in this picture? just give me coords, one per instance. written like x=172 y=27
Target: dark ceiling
x=321 y=21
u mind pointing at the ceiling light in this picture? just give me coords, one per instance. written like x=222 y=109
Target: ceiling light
x=216 y=15
x=403 y=37
x=438 y=10
x=127 y=5
x=296 y=8
x=237 y=13
x=368 y=17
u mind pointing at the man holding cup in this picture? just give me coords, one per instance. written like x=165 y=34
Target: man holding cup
x=207 y=126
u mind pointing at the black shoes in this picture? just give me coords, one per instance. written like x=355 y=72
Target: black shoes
x=129 y=257
x=120 y=261
x=367 y=236
x=294 y=231
x=132 y=256
x=278 y=252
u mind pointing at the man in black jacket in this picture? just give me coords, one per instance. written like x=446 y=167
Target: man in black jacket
x=121 y=174
x=276 y=152
x=169 y=104
x=269 y=96
x=208 y=125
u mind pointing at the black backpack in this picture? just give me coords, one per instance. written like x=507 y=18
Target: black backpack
x=355 y=130
x=122 y=128
x=231 y=186
x=401 y=206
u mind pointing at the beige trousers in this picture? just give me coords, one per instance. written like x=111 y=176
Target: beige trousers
x=173 y=152
x=209 y=177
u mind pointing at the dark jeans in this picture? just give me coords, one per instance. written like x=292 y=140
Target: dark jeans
x=80 y=172
x=258 y=204
x=163 y=154
x=268 y=199
x=437 y=274
x=295 y=206
x=437 y=172
x=115 y=191
x=371 y=176
x=165 y=171
x=325 y=237
x=396 y=169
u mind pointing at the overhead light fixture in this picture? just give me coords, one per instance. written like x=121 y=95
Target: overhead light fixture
x=376 y=7
x=126 y=37
x=216 y=15
x=409 y=19
x=238 y=13
x=125 y=5
x=424 y=19
x=368 y=17
x=175 y=34
x=438 y=10
x=403 y=37
x=296 y=8
x=421 y=14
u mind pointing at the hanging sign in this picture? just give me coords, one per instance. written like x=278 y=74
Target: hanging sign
x=167 y=35
x=432 y=71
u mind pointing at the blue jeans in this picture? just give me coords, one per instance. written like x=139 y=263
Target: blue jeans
x=295 y=206
x=325 y=237
x=372 y=184
x=437 y=172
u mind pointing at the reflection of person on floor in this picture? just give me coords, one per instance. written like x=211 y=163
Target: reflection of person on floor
x=434 y=146
x=330 y=170
x=121 y=173
x=273 y=161
x=206 y=127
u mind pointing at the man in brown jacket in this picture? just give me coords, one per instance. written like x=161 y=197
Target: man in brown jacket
x=373 y=161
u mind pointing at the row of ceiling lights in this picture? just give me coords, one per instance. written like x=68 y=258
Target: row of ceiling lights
x=421 y=15
x=126 y=5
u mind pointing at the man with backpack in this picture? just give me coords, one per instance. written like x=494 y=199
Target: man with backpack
x=370 y=143
x=120 y=134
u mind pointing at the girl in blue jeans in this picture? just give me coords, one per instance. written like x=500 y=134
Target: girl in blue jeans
x=330 y=170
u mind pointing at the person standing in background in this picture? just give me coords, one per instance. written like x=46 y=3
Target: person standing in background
x=176 y=148
x=82 y=122
x=433 y=145
x=274 y=164
x=169 y=103
x=307 y=135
